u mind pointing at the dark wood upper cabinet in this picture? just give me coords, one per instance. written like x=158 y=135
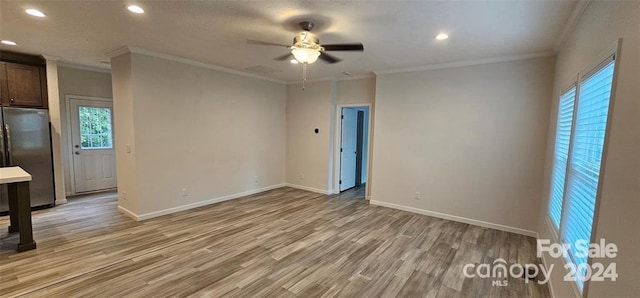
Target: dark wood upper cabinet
x=23 y=80
x=23 y=85
x=4 y=95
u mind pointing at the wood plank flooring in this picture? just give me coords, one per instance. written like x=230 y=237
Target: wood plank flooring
x=281 y=243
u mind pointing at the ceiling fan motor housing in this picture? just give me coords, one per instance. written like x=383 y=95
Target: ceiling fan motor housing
x=306 y=26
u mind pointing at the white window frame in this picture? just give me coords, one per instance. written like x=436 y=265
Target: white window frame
x=612 y=51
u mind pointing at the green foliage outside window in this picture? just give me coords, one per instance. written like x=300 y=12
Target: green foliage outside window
x=95 y=128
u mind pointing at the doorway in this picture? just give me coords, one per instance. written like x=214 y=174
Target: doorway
x=93 y=162
x=354 y=147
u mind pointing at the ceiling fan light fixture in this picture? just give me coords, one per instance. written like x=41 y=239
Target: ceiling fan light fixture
x=294 y=61
x=305 y=55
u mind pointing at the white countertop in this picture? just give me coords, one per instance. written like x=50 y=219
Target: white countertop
x=13 y=174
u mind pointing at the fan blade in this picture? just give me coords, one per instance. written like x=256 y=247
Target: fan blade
x=266 y=43
x=343 y=47
x=285 y=57
x=328 y=58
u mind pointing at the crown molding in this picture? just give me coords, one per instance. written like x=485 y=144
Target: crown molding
x=467 y=63
x=50 y=58
x=323 y=79
x=571 y=23
x=134 y=50
x=119 y=52
x=83 y=67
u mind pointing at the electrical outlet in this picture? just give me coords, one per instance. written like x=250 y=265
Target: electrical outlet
x=256 y=180
x=417 y=197
x=301 y=176
x=185 y=192
x=124 y=195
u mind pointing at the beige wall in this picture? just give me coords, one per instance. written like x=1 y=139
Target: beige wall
x=310 y=156
x=124 y=137
x=73 y=81
x=617 y=219
x=198 y=134
x=356 y=91
x=469 y=139
x=307 y=152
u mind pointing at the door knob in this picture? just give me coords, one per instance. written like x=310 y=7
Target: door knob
x=77 y=152
x=77 y=146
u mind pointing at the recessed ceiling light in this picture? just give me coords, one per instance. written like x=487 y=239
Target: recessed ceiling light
x=294 y=61
x=442 y=36
x=8 y=42
x=135 y=9
x=35 y=13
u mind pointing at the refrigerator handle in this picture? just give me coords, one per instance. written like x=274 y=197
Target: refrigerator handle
x=9 y=155
x=2 y=158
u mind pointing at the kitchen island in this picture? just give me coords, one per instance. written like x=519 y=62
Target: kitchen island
x=17 y=181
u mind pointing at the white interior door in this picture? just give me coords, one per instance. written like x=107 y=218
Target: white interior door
x=94 y=163
x=348 y=148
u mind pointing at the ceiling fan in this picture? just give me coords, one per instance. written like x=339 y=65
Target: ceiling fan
x=306 y=49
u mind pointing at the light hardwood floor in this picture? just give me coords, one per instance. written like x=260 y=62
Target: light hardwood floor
x=281 y=243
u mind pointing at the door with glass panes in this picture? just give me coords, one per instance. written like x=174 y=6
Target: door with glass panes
x=94 y=162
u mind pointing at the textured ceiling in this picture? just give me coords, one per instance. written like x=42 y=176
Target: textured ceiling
x=395 y=34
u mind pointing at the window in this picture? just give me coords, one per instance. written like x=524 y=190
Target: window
x=578 y=157
x=561 y=155
x=95 y=128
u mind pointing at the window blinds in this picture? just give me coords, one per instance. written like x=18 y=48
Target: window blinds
x=560 y=154
x=585 y=159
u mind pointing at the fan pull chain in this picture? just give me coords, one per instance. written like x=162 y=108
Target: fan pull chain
x=304 y=74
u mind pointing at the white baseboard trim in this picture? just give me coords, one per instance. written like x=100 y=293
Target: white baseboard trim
x=470 y=221
x=311 y=189
x=128 y=213
x=61 y=201
x=544 y=262
x=196 y=204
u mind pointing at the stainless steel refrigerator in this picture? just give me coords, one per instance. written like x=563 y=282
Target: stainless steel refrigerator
x=25 y=141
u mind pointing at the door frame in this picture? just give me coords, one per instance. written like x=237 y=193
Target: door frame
x=359 y=145
x=338 y=142
x=69 y=151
